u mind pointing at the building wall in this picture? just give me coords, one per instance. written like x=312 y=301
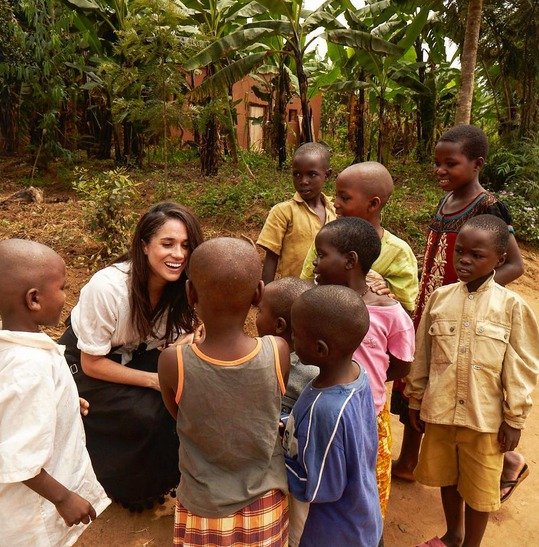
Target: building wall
x=250 y=104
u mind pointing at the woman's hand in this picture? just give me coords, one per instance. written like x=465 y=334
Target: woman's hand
x=84 y=406
x=154 y=381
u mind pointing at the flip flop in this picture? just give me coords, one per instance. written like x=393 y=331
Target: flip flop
x=524 y=472
x=434 y=542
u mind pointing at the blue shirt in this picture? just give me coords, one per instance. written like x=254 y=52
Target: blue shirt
x=331 y=445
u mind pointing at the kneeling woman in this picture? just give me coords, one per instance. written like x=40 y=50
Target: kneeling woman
x=126 y=313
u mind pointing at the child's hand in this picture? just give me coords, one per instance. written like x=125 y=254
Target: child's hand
x=415 y=421
x=84 y=406
x=508 y=437
x=378 y=284
x=74 y=509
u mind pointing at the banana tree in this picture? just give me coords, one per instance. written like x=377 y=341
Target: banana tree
x=381 y=40
x=215 y=21
x=286 y=20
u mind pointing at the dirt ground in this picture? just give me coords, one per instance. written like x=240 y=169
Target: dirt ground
x=415 y=512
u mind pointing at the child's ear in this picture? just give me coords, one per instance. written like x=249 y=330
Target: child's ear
x=322 y=348
x=501 y=261
x=351 y=260
x=192 y=296
x=257 y=297
x=32 y=299
x=281 y=325
x=479 y=162
x=329 y=172
x=375 y=203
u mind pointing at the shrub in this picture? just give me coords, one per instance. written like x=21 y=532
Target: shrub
x=514 y=173
x=108 y=208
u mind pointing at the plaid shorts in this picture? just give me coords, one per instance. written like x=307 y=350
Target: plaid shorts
x=264 y=523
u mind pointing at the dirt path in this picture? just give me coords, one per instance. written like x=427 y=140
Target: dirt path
x=415 y=511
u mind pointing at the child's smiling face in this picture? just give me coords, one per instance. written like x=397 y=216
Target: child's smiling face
x=309 y=173
x=330 y=263
x=453 y=168
x=475 y=256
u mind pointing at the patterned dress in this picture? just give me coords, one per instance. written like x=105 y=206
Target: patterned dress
x=438 y=267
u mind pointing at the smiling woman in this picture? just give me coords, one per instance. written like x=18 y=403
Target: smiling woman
x=126 y=314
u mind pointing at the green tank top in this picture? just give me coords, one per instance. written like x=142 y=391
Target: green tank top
x=228 y=415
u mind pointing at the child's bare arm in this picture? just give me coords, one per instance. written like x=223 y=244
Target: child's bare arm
x=72 y=508
x=397 y=369
x=513 y=267
x=168 y=378
x=284 y=357
x=270 y=266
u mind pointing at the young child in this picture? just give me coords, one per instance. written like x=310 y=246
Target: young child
x=47 y=484
x=346 y=249
x=470 y=386
x=362 y=190
x=225 y=393
x=330 y=437
x=459 y=156
x=291 y=225
x=274 y=318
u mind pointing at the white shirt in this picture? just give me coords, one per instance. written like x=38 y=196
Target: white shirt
x=101 y=319
x=40 y=428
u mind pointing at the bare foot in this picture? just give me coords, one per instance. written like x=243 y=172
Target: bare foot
x=514 y=472
x=402 y=471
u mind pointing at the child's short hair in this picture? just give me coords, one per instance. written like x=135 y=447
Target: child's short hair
x=314 y=149
x=284 y=292
x=225 y=271
x=355 y=234
x=336 y=314
x=493 y=224
x=24 y=263
x=473 y=141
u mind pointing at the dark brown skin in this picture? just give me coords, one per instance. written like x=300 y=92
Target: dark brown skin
x=72 y=508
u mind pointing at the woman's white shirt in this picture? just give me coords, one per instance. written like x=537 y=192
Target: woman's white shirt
x=101 y=320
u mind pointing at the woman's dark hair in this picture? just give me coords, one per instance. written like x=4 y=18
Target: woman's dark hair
x=174 y=298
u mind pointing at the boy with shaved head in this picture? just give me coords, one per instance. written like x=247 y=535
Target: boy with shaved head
x=225 y=394
x=362 y=190
x=274 y=318
x=47 y=483
x=330 y=438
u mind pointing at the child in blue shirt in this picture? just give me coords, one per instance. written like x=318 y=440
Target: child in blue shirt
x=331 y=439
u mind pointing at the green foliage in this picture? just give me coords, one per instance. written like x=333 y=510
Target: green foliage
x=525 y=216
x=514 y=173
x=412 y=204
x=108 y=207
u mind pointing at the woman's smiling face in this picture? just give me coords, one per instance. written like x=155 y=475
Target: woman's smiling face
x=168 y=251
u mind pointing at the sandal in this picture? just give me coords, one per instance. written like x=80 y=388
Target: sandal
x=524 y=472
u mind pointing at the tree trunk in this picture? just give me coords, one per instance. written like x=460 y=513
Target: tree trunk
x=359 y=148
x=209 y=150
x=303 y=91
x=9 y=119
x=381 y=124
x=467 y=61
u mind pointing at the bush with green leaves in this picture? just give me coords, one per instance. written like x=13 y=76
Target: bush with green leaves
x=108 y=207
x=514 y=174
